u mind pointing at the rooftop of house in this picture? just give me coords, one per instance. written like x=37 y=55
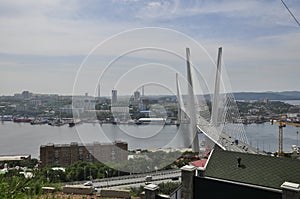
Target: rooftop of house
x=252 y=169
x=199 y=163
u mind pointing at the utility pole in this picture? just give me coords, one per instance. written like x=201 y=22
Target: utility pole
x=297 y=138
x=107 y=176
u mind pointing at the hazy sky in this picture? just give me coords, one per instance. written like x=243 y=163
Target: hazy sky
x=43 y=44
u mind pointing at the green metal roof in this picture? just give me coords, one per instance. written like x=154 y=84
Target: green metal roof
x=255 y=169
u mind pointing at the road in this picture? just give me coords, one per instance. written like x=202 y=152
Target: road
x=230 y=145
x=143 y=183
x=227 y=142
x=136 y=180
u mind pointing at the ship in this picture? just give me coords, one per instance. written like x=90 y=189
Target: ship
x=22 y=119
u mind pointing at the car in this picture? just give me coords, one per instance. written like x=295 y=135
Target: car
x=88 y=183
x=148 y=178
x=175 y=178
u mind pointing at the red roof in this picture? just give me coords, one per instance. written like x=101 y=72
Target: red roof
x=199 y=163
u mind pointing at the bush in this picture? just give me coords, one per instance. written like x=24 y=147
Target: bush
x=168 y=187
x=136 y=191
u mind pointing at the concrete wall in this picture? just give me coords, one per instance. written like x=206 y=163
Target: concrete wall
x=115 y=193
x=77 y=189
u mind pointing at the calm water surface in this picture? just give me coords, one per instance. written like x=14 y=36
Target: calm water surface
x=23 y=138
x=292 y=102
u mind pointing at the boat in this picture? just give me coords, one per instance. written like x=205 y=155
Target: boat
x=57 y=122
x=22 y=119
x=150 y=121
x=74 y=122
x=116 y=121
x=138 y=122
x=38 y=121
x=6 y=118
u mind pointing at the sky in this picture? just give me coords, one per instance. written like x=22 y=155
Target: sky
x=72 y=46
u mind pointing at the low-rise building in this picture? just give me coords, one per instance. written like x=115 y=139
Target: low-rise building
x=6 y=158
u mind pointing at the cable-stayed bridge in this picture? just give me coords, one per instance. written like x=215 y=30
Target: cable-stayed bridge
x=220 y=126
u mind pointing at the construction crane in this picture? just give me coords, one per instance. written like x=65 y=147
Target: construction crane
x=280 y=136
x=282 y=124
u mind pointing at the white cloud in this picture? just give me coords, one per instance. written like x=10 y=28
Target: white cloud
x=52 y=28
x=261 y=34
x=154 y=4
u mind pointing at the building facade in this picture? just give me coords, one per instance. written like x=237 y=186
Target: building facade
x=114 y=97
x=66 y=154
x=84 y=102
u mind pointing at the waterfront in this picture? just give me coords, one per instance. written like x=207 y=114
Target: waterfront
x=23 y=138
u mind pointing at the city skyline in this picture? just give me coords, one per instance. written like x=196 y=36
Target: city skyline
x=44 y=43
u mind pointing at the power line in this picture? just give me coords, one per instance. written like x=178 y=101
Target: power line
x=290 y=12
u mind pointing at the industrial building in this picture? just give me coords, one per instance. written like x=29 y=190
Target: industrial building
x=66 y=154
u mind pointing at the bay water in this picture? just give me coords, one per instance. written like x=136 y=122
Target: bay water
x=24 y=138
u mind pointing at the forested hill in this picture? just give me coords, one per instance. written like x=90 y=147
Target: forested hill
x=285 y=95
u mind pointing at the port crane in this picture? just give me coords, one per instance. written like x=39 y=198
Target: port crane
x=283 y=124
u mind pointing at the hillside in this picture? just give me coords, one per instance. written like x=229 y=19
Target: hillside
x=285 y=95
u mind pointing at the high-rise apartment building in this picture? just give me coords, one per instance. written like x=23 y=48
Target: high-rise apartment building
x=114 y=97
x=66 y=154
